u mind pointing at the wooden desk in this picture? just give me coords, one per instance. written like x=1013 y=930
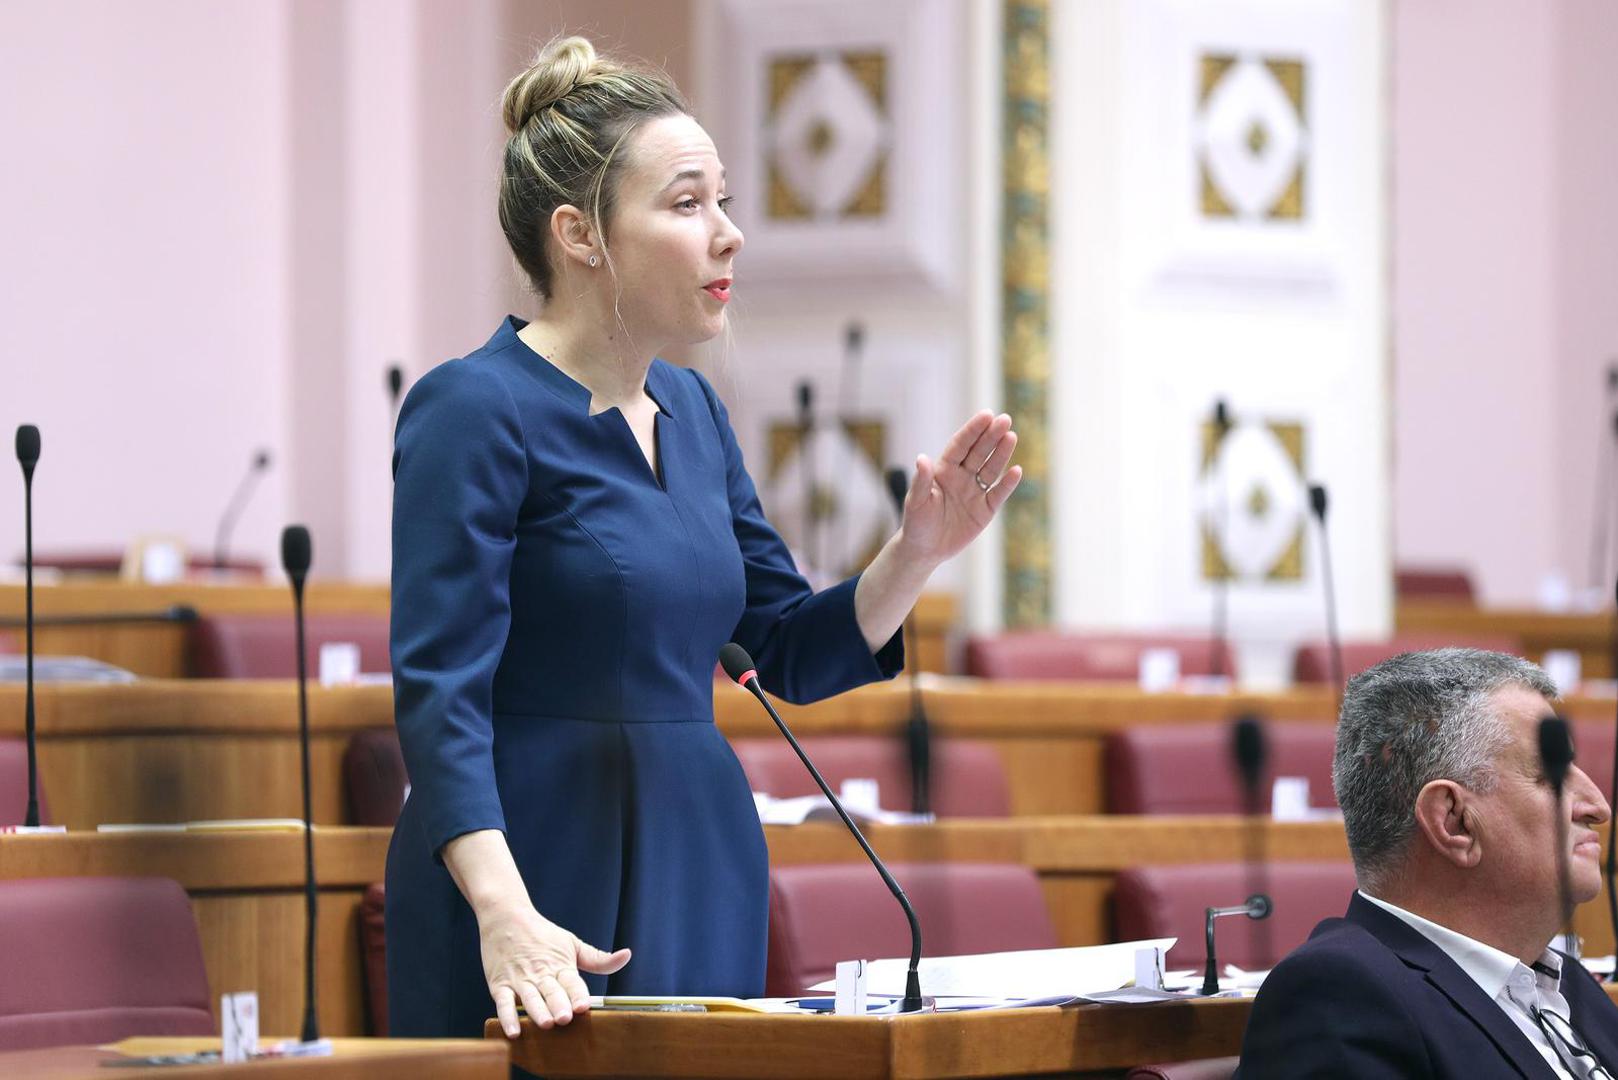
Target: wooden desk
x=194 y=749
x=247 y=891
x=1090 y=1039
x=405 y=1059
x=1588 y=634
x=158 y=650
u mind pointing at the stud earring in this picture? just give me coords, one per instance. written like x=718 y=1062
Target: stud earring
x=592 y=261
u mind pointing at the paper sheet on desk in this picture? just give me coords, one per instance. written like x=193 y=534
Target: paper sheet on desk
x=1035 y=973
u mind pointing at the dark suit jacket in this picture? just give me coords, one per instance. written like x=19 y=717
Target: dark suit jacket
x=1368 y=996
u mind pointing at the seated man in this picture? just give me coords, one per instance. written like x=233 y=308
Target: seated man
x=1442 y=965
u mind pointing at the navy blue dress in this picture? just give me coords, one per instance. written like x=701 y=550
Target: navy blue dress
x=558 y=609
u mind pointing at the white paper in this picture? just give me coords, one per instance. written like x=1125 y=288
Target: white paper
x=238 y=1021
x=1289 y=798
x=1159 y=670
x=1033 y=973
x=339 y=663
x=850 y=988
x=802 y=808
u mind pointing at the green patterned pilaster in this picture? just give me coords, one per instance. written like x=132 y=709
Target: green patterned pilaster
x=1025 y=306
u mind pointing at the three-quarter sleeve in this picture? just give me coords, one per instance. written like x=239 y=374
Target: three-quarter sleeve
x=460 y=474
x=806 y=645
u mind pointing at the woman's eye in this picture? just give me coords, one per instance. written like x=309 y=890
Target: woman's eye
x=687 y=204
x=725 y=201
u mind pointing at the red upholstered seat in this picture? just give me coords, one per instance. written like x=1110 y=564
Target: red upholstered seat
x=14 y=784
x=1592 y=744
x=820 y=914
x=1433 y=583
x=374 y=777
x=1186 y=768
x=262 y=646
x=374 y=961
x=1170 y=901
x=94 y=960
x=1207 y=1069
x=968 y=778
x=1312 y=662
x=1053 y=654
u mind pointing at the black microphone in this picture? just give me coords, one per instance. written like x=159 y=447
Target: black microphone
x=1249 y=751
x=395 y=379
x=1555 y=756
x=1602 y=508
x=296 y=554
x=811 y=507
x=1317 y=503
x=918 y=732
x=848 y=394
x=1221 y=589
x=238 y=502
x=739 y=666
x=28 y=457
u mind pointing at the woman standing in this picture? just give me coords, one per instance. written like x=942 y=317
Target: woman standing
x=574 y=537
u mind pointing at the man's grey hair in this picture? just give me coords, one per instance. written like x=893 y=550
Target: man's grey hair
x=1410 y=720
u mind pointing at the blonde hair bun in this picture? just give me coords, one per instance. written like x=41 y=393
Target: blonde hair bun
x=562 y=64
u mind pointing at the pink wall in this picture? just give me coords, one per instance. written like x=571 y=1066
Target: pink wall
x=143 y=307
x=1505 y=242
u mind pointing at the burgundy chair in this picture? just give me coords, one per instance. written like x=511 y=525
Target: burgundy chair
x=1312 y=662
x=374 y=961
x=262 y=646
x=1170 y=901
x=94 y=960
x=1186 y=768
x=1445 y=583
x=1592 y=742
x=374 y=777
x=820 y=914
x=968 y=778
x=1207 y=1069
x=14 y=784
x=1054 y=654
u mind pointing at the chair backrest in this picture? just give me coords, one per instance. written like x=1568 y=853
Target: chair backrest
x=1207 y=1069
x=968 y=778
x=1447 y=583
x=263 y=646
x=1592 y=740
x=821 y=914
x=14 y=784
x=1054 y=654
x=94 y=960
x=1312 y=662
x=374 y=777
x=1188 y=768
x=1171 y=901
x=374 y=959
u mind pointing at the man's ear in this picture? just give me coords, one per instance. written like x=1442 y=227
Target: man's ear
x=574 y=235
x=1447 y=822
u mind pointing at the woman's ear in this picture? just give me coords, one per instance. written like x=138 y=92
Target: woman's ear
x=575 y=237
x=1447 y=822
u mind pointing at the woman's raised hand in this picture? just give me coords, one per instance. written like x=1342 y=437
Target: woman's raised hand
x=953 y=499
x=529 y=959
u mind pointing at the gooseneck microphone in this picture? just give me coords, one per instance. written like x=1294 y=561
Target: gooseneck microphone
x=1221 y=589
x=1317 y=504
x=918 y=732
x=394 y=378
x=28 y=457
x=1555 y=755
x=1248 y=751
x=806 y=457
x=739 y=666
x=1602 y=508
x=296 y=554
x=233 y=509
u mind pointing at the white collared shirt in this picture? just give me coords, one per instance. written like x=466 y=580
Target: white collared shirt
x=1511 y=984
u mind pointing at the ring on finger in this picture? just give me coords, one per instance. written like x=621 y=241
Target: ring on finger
x=982 y=484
